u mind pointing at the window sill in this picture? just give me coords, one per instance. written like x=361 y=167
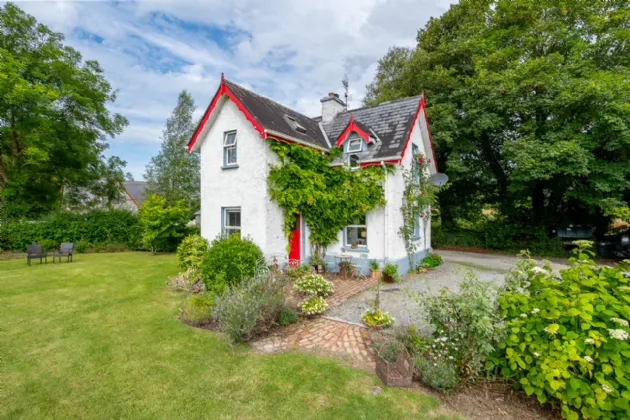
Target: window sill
x=229 y=167
x=359 y=249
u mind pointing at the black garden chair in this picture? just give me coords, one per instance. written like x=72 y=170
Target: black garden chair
x=65 y=250
x=34 y=252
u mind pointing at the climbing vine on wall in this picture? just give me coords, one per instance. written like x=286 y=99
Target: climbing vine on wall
x=328 y=197
x=418 y=197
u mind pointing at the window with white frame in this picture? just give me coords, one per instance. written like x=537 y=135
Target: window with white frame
x=355 y=145
x=353 y=161
x=229 y=148
x=356 y=234
x=415 y=150
x=416 y=226
x=231 y=221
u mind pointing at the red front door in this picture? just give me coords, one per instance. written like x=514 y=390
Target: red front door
x=294 y=239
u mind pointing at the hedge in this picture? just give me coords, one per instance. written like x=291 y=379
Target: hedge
x=93 y=229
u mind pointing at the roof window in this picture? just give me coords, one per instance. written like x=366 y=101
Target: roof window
x=294 y=124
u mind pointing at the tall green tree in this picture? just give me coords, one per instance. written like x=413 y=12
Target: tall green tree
x=174 y=173
x=528 y=105
x=54 y=120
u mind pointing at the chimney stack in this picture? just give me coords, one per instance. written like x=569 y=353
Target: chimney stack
x=331 y=106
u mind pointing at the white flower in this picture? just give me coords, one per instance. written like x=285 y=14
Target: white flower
x=606 y=389
x=523 y=315
x=618 y=334
x=535 y=310
x=450 y=357
x=588 y=359
x=620 y=321
x=455 y=348
x=589 y=341
x=539 y=270
x=536 y=354
x=434 y=364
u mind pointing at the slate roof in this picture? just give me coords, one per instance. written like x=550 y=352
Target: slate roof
x=270 y=115
x=390 y=121
x=137 y=189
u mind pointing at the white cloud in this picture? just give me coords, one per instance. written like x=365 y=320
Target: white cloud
x=292 y=51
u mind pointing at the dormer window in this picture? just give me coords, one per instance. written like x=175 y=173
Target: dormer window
x=355 y=145
x=294 y=124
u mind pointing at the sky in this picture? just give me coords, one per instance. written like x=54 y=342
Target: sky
x=293 y=51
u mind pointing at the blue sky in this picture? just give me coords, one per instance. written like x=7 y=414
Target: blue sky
x=293 y=51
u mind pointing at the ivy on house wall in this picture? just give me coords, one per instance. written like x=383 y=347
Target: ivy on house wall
x=418 y=197
x=328 y=197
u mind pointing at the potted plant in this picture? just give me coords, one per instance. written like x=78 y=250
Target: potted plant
x=375 y=270
x=393 y=364
x=390 y=273
x=319 y=265
x=354 y=245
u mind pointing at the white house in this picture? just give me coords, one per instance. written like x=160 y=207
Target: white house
x=232 y=139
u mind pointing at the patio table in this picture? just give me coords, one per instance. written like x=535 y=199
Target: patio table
x=342 y=258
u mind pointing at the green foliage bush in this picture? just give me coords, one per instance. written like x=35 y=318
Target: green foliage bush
x=197 y=309
x=164 y=224
x=228 y=260
x=430 y=261
x=92 y=229
x=377 y=318
x=313 y=284
x=437 y=373
x=190 y=252
x=567 y=335
x=297 y=271
x=465 y=325
x=288 y=316
x=251 y=307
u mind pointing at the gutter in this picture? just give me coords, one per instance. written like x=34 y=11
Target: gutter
x=293 y=139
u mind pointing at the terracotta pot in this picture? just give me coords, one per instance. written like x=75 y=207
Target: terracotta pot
x=321 y=269
x=375 y=274
x=387 y=278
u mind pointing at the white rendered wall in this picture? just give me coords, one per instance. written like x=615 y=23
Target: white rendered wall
x=244 y=187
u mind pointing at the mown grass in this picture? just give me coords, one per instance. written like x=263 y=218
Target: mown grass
x=99 y=338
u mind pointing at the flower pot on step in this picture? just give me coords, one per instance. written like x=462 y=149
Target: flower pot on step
x=375 y=274
x=387 y=278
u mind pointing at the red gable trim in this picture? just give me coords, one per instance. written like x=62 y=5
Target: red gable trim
x=426 y=120
x=350 y=128
x=223 y=90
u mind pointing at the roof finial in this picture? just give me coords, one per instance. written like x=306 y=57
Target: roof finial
x=344 y=82
x=222 y=78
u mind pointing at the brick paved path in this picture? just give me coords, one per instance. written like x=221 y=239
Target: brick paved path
x=323 y=335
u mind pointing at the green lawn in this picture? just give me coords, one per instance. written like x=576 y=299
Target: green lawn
x=99 y=338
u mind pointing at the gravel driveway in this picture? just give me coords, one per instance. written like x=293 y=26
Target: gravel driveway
x=396 y=299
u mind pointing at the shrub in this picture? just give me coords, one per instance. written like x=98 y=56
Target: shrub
x=288 y=316
x=430 y=261
x=390 y=351
x=437 y=374
x=391 y=270
x=313 y=305
x=314 y=284
x=251 y=307
x=81 y=246
x=377 y=318
x=374 y=265
x=228 y=260
x=297 y=271
x=190 y=252
x=197 y=309
x=186 y=281
x=164 y=224
x=466 y=322
x=567 y=335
